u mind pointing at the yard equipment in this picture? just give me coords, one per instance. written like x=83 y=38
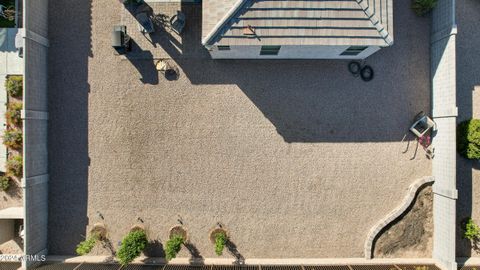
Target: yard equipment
x=7 y=13
x=120 y=39
x=422 y=124
x=145 y=23
x=422 y=128
x=178 y=22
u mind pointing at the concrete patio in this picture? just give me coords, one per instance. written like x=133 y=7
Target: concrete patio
x=297 y=158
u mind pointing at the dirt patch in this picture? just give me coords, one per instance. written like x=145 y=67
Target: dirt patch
x=411 y=234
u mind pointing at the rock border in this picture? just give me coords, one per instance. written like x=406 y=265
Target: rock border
x=397 y=212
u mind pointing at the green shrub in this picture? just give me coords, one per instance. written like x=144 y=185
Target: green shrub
x=423 y=7
x=86 y=246
x=468 y=139
x=220 y=242
x=13 y=138
x=132 y=245
x=14 y=86
x=472 y=231
x=173 y=246
x=4 y=182
x=14 y=114
x=15 y=165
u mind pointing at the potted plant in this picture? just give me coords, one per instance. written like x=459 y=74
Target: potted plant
x=132 y=245
x=178 y=237
x=219 y=237
x=97 y=233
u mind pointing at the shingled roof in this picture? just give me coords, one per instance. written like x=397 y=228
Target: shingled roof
x=298 y=22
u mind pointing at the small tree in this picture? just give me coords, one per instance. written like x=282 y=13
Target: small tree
x=468 y=139
x=220 y=242
x=13 y=138
x=15 y=165
x=14 y=114
x=132 y=246
x=173 y=246
x=423 y=7
x=86 y=246
x=472 y=231
x=14 y=86
x=4 y=182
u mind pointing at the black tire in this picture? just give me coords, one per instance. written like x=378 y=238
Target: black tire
x=367 y=74
x=354 y=67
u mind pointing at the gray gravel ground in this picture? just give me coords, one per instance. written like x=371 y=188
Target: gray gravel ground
x=468 y=102
x=296 y=158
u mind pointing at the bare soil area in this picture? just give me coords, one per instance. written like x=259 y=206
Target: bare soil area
x=411 y=235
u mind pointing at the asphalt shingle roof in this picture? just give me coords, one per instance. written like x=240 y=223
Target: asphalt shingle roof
x=298 y=22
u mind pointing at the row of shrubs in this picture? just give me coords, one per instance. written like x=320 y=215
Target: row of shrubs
x=135 y=242
x=13 y=135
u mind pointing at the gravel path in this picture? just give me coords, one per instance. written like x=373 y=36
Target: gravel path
x=296 y=158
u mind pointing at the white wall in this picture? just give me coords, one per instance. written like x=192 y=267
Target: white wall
x=290 y=52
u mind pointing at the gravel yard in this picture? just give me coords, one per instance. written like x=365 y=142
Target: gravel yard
x=296 y=158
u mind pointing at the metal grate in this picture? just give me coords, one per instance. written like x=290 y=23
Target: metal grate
x=418 y=267
x=187 y=267
x=327 y=267
x=92 y=266
x=143 y=267
x=97 y=266
x=473 y=267
x=10 y=265
x=374 y=267
x=280 y=267
x=57 y=266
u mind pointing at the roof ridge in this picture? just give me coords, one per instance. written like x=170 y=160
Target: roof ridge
x=375 y=21
x=213 y=33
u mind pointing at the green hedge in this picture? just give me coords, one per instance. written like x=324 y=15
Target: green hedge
x=13 y=138
x=423 y=7
x=132 y=246
x=468 y=139
x=173 y=246
x=220 y=242
x=471 y=230
x=15 y=165
x=14 y=114
x=14 y=85
x=86 y=246
x=4 y=182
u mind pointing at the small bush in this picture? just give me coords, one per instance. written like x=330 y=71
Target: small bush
x=14 y=114
x=472 y=231
x=4 y=182
x=220 y=242
x=132 y=246
x=14 y=86
x=15 y=165
x=423 y=7
x=173 y=246
x=86 y=246
x=13 y=138
x=468 y=139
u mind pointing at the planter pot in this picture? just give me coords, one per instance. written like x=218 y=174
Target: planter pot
x=100 y=229
x=137 y=227
x=179 y=230
x=214 y=232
